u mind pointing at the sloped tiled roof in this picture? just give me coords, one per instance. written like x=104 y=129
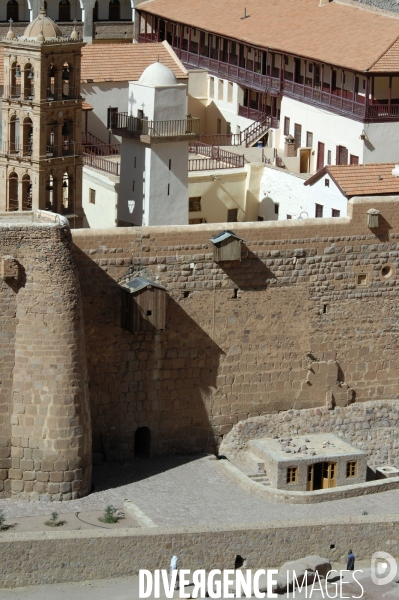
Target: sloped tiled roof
x=335 y=33
x=361 y=180
x=389 y=61
x=126 y=62
x=121 y=62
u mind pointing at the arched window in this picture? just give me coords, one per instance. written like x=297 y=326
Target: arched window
x=51 y=92
x=29 y=82
x=51 y=203
x=114 y=10
x=14 y=135
x=64 y=11
x=95 y=12
x=51 y=138
x=66 y=193
x=66 y=81
x=142 y=442
x=27 y=137
x=15 y=73
x=26 y=193
x=12 y=10
x=13 y=203
x=67 y=138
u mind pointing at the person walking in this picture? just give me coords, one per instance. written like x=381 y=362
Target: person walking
x=173 y=567
x=350 y=565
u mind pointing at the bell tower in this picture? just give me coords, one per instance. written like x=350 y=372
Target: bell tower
x=41 y=155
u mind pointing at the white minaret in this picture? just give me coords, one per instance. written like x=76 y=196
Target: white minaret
x=154 y=157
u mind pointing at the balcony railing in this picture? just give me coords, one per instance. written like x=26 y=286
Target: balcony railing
x=62 y=94
x=15 y=149
x=98 y=162
x=93 y=145
x=66 y=149
x=122 y=124
x=215 y=158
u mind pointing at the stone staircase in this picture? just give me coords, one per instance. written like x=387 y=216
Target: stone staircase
x=260 y=478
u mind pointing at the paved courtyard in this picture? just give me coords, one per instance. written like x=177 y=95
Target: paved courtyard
x=184 y=491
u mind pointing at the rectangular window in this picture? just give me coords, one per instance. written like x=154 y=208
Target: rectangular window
x=326 y=182
x=351 y=468
x=194 y=204
x=134 y=183
x=319 y=211
x=211 y=87
x=289 y=216
x=218 y=125
x=342 y=155
x=112 y=117
x=292 y=474
x=309 y=139
x=361 y=279
x=135 y=162
x=335 y=212
x=317 y=76
x=92 y=196
x=298 y=135
x=286 y=126
x=230 y=92
x=228 y=128
x=170 y=164
x=168 y=189
x=276 y=208
x=232 y=214
x=320 y=156
x=329 y=157
x=353 y=160
x=260 y=218
x=220 y=89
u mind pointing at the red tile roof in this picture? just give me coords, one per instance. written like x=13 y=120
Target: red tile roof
x=121 y=62
x=126 y=62
x=338 y=34
x=361 y=180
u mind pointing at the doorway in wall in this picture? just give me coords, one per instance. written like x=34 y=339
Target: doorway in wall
x=142 y=442
x=321 y=476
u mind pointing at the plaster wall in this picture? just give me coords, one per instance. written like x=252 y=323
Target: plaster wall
x=166 y=189
x=287 y=189
x=331 y=129
x=101 y=96
x=132 y=181
x=381 y=143
x=234 y=189
x=104 y=212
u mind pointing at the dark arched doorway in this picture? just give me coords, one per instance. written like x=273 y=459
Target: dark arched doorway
x=142 y=442
x=12 y=10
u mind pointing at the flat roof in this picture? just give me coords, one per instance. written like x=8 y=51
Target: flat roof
x=318 y=446
x=339 y=34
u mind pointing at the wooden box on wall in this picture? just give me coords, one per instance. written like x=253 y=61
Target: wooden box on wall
x=226 y=246
x=143 y=305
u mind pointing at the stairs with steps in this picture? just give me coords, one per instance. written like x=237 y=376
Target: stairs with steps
x=260 y=478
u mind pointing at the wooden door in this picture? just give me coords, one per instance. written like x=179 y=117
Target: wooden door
x=309 y=485
x=320 y=156
x=329 y=475
x=354 y=160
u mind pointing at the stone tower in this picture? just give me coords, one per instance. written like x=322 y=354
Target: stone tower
x=41 y=154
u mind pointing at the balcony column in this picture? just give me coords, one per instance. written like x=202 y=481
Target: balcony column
x=354 y=88
x=173 y=35
x=342 y=82
x=322 y=78
x=181 y=35
x=246 y=57
x=145 y=25
x=313 y=74
x=20 y=193
x=331 y=79
x=218 y=41
x=189 y=40
x=389 y=96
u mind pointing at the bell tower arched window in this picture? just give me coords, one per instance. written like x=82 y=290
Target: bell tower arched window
x=64 y=11
x=95 y=12
x=114 y=10
x=26 y=193
x=12 y=10
x=13 y=184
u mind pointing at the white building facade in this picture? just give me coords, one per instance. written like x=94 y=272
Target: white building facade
x=154 y=153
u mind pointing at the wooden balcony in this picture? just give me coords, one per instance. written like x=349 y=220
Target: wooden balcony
x=125 y=125
x=232 y=72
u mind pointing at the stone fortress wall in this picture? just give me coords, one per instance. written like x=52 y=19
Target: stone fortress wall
x=307 y=319
x=45 y=430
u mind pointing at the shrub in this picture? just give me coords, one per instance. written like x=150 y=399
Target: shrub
x=109 y=515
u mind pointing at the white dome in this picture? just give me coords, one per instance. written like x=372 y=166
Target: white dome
x=158 y=75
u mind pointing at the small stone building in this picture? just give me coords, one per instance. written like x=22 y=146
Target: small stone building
x=310 y=463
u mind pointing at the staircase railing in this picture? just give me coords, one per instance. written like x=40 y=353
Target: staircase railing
x=245 y=138
x=93 y=145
